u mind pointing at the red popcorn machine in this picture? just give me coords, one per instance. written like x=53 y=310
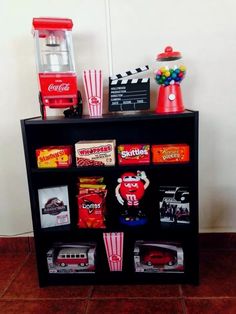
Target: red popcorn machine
x=169 y=76
x=55 y=65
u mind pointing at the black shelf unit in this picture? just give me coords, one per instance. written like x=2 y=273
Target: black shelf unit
x=148 y=128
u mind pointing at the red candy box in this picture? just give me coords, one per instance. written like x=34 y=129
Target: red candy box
x=133 y=154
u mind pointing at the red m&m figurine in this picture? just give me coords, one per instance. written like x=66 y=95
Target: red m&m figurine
x=169 y=76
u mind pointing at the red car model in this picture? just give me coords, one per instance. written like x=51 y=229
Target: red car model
x=159 y=257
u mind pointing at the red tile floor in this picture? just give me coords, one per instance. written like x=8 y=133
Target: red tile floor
x=19 y=291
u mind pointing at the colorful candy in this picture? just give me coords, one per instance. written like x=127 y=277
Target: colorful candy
x=165 y=76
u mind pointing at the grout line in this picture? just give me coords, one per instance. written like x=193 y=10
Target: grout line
x=92 y=299
x=209 y=297
x=116 y=298
x=137 y=297
x=86 y=307
x=89 y=297
x=29 y=245
x=183 y=300
x=184 y=308
x=91 y=292
x=14 y=275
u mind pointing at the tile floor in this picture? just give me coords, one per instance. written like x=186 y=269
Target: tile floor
x=19 y=291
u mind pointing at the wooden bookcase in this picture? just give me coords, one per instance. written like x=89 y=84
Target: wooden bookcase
x=142 y=128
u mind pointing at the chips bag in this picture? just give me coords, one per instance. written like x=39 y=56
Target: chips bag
x=91 y=203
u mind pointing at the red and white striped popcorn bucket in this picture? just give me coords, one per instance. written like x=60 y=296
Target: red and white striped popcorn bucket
x=114 y=249
x=93 y=85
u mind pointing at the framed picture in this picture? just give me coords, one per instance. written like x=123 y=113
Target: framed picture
x=54 y=206
x=174 y=206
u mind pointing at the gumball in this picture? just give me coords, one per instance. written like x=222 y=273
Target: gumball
x=182 y=68
x=173 y=75
x=167 y=73
x=177 y=71
x=162 y=69
x=159 y=72
x=163 y=77
x=181 y=74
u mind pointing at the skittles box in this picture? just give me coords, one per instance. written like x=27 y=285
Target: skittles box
x=54 y=157
x=170 y=153
x=133 y=154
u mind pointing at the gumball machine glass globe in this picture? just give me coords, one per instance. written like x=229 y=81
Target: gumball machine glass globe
x=169 y=74
x=170 y=67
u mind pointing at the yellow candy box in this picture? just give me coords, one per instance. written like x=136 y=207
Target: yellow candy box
x=54 y=157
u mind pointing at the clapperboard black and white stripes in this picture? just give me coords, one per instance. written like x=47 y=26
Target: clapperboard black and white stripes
x=129 y=94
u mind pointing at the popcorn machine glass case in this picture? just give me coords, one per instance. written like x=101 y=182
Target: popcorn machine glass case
x=54 y=51
x=55 y=63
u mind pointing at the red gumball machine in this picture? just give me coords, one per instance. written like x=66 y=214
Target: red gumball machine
x=169 y=76
x=55 y=65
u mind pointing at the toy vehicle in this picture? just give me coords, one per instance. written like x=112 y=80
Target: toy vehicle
x=158 y=257
x=153 y=257
x=72 y=256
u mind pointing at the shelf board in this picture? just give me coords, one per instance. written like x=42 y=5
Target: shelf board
x=110 y=117
x=149 y=231
x=110 y=168
x=121 y=277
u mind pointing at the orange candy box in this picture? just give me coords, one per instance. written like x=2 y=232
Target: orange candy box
x=170 y=153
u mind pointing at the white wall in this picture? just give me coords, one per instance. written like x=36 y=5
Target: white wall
x=205 y=33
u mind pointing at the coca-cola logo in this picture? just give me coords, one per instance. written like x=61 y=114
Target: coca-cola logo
x=63 y=87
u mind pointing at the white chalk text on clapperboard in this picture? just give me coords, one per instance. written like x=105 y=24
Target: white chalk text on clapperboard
x=120 y=95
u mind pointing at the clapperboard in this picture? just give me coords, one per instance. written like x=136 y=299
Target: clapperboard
x=129 y=94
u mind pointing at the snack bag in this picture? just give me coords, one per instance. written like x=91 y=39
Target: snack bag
x=91 y=203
